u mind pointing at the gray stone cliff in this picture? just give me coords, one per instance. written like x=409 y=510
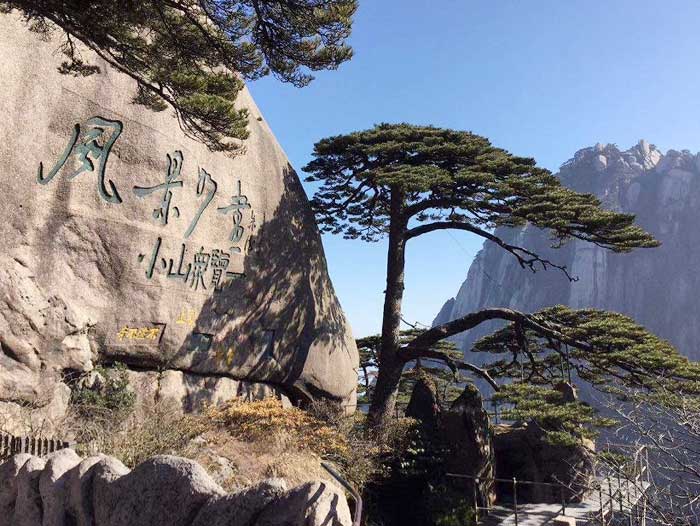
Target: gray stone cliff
x=126 y=240
x=657 y=287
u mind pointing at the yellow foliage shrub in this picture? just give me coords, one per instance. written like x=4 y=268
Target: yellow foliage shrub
x=269 y=420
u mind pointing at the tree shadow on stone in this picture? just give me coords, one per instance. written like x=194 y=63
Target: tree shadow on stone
x=267 y=325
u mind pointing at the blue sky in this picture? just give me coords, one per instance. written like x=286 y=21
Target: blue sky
x=539 y=78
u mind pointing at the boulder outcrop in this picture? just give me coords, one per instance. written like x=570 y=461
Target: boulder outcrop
x=562 y=471
x=468 y=436
x=163 y=491
x=424 y=405
x=126 y=240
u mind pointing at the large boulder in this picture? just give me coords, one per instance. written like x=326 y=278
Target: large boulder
x=79 y=501
x=468 y=438
x=28 y=507
x=424 y=405
x=241 y=508
x=311 y=504
x=162 y=491
x=61 y=490
x=522 y=451
x=8 y=486
x=127 y=240
x=53 y=486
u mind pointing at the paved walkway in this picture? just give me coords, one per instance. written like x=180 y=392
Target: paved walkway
x=586 y=512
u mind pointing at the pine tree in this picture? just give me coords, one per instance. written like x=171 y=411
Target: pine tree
x=402 y=181
x=193 y=55
x=447 y=381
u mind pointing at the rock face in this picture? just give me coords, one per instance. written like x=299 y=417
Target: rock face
x=467 y=433
x=126 y=240
x=657 y=287
x=163 y=491
x=521 y=451
x=423 y=405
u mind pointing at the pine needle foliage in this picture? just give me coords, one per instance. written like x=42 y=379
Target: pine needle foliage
x=451 y=179
x=564 y=422
x=605 y=349
x=448 y=382
x=193 y=55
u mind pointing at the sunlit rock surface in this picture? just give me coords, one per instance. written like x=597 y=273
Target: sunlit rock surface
x=126 y=240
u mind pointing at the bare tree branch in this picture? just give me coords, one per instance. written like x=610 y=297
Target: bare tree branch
x=526 y=258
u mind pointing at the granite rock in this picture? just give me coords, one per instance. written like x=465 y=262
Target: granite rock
x=28 y=510
x=53 y=486
x=126 y=240
x=162 y=491
x=311 y=504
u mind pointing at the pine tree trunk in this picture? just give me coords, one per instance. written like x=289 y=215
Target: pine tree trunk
x=390 y=365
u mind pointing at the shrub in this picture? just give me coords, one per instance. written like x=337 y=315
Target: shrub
x=158 y=429
x=104 y=390
x=268 y=419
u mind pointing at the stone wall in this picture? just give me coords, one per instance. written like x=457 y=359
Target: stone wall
x=126 y=240
x=63 y=489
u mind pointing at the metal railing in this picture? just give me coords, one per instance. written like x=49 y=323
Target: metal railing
x=350 y=488
x=619 y=491
x=514 y=482
x=612 y=501
x=39 y=446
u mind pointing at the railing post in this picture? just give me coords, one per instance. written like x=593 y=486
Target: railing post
x=515 y=499
x=563 y=500
x=476 y=500
x=619 y=487
x=630 y=505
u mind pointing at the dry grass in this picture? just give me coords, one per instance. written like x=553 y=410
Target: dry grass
x=238 y=443
x=267 y=420
x=153 y=430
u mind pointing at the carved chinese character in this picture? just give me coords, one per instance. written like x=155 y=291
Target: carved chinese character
x=200 y=266
x=154 y=257
x=187 y=317
x=174 y=170
x=124 y=332
x=238 y=203
x=91 y=146
x=204 y=180
x=219 y=263
x=180 y=274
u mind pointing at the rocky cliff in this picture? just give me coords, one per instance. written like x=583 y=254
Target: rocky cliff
x=658 y=287
x=126 y=240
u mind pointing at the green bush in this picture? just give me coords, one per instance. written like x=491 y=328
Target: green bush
x=108 y=392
